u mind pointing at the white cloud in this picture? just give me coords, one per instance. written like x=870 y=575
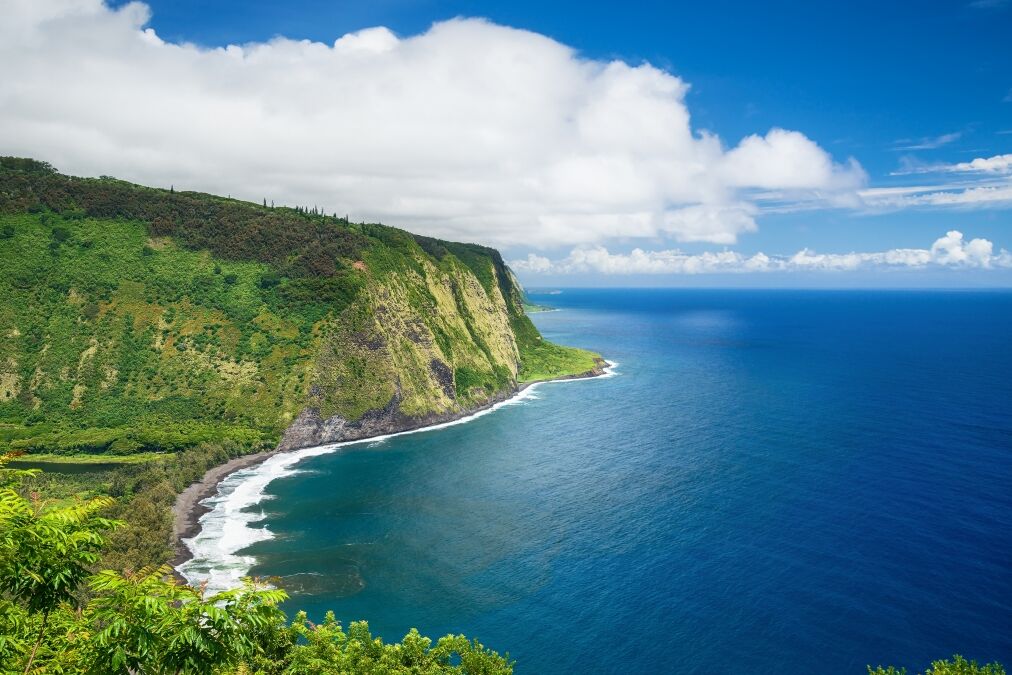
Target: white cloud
x=538 y=264
x=952 y=250
x=994 y=196
x=469 y=131
x=983 y=182
x=929 y=142
x=998 y=164
x=787 y=160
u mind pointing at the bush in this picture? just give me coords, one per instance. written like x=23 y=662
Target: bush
x=957 y=666
x=90 y=311
x=26 y=165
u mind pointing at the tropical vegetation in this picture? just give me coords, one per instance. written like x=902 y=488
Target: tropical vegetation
x=59 y=615
x=138 y=319
x=955 y=666
x=147 y=335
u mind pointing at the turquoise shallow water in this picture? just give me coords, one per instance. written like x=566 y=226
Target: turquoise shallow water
x=774 y=482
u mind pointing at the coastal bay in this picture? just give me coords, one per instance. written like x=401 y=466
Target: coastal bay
x=190 y=506
x=769 y=476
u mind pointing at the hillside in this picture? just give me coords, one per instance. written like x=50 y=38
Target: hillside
x=138 y=319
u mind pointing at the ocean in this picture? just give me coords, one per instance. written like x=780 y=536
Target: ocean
x=770 y=482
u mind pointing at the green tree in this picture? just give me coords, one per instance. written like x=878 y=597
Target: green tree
x=27 y=165
x=45 y=549
x=329 y=650
x=148 y=622
x=957 y=666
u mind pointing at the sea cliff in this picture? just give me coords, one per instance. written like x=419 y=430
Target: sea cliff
x=140 y=319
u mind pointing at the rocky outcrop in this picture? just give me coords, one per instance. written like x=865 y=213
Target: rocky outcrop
x=311 y=429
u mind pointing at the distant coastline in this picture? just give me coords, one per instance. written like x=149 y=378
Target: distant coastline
x=188 y=507
x=531 y=308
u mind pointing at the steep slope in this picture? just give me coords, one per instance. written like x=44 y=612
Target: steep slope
x=142 y=319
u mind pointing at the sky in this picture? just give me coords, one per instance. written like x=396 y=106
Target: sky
x=717 y=143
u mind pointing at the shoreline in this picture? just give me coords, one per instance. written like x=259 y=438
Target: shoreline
x=188 y=509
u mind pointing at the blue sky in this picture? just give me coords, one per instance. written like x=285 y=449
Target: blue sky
x=857 y=76
x=910 y=91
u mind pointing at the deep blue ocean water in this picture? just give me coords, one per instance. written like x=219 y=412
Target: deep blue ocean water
x=774 y=482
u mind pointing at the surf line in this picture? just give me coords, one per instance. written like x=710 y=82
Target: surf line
x=229 y=526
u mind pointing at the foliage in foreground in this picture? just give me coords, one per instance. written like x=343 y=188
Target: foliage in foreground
x=144 y=494
x=56 y=616
x=957 y=666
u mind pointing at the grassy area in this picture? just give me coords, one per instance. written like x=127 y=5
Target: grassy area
x=102 y=459
x=531 y=308
x=119 y=343
x=550 y=361
x=145 y=487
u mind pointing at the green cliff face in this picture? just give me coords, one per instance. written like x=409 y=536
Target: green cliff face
x=140 y=319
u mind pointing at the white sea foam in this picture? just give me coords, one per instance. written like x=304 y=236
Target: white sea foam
x=231 y=524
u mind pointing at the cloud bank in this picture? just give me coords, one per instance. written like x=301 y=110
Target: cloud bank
x=952 y=251
x=469 y=131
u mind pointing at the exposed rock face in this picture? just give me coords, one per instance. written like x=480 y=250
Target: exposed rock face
x=426 y=340
x=444 y=376
x=310 y=429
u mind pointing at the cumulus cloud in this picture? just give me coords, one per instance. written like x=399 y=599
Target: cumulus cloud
x=787 y=160
x=952 y=250
x=996 y=164
x=469 y=131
